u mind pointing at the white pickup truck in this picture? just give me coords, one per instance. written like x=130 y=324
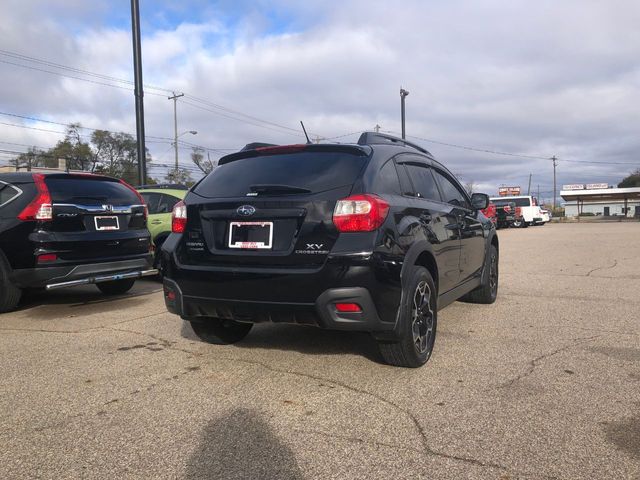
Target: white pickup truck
x=531 y=211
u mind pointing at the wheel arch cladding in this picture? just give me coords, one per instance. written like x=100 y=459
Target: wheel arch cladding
x=428 y=261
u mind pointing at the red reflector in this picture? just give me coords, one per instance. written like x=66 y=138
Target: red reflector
x=348 y=308
x=47 y=257
x=171 y=295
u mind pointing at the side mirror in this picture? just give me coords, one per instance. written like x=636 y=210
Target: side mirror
x=479 y=201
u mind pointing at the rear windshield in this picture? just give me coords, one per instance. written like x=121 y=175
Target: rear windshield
x=501 y=203
x=520 y=202
x=89 y=191
x=313 y=171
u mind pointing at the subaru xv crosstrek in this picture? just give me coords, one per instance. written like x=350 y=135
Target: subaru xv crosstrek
x=61 y=230
x=375 y=236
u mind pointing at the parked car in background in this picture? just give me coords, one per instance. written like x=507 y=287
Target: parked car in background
x=61 y=230
x=546 y=215
x=529 y=208
x=160 y=200
x=508 y=215
x=375 y=236
x=491 y=213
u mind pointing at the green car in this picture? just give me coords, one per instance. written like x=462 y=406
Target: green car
x=160 y=200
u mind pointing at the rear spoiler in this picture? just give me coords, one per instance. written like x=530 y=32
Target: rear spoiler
x=357 y=150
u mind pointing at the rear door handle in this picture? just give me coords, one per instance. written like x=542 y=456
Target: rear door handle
x=156 y=222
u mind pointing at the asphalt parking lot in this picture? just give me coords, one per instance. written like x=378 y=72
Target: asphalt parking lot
x=543 y=384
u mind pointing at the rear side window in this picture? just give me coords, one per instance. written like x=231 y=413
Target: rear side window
x=314 y=171
x=450 y=192
x=522 y=202
x=167 y=203
x=151 y=199
x=89 y=191
x=423 y=182
x=7 y=193
x=387 y=180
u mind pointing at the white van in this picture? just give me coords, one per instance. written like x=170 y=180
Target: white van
x=529 y=206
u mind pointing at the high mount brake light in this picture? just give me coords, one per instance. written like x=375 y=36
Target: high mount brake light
x=41 y=207
x=360 y=213
x=179 y=217
x=137 y=193
x=282 y=149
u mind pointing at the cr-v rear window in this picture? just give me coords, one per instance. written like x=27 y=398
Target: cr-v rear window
x=314 y=171
x=88 y=190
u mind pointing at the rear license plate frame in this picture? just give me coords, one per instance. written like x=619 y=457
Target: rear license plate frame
x=107 y=228
x=250 y=245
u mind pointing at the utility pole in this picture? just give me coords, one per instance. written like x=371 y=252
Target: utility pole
x=555 y=164
x=138 y=92
x=403 y=94
x=175 y=123
x=538 y=193
x=529 y=189
x=377 y=128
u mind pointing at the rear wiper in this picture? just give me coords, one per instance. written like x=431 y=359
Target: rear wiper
x=274 y=188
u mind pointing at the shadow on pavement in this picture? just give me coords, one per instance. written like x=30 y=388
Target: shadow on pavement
x=241 y=445
x=304 y=339
x=81 y=296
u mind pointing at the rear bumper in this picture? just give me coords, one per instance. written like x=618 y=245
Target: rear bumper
x=321 y=313
x=67 y=276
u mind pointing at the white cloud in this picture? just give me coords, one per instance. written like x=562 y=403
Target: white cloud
x=536 y=78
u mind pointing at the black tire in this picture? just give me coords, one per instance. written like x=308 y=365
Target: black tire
x=116 y=287
x=219 y=331
x=518 y=224
x=9 y=294
x=157 y=256
x=489 y=292
x=418 y=320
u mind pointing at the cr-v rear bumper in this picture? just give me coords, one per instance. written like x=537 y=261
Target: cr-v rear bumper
x=73 y=275
x=322 y=312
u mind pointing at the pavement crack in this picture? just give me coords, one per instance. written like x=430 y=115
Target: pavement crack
x=359 y=440
x=536 y=361
x=423 y=436
x=615 y=263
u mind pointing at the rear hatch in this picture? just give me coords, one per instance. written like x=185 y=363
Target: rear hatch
x=94 y=218
x=270 y=207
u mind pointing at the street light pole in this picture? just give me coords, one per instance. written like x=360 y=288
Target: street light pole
x=555 y=164
x=138 y=92
x=175 y=123
x=403 y=94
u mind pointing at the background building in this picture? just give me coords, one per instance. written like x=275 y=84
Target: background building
x=600 y=200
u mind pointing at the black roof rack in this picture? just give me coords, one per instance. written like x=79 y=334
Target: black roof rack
x=373 y=138
x=165 y=186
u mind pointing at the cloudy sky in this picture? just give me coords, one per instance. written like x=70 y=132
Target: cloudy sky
x=532 y=78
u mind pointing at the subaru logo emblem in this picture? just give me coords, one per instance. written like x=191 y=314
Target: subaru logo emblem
x=246 y=210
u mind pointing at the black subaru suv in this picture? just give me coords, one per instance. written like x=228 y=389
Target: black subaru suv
x=376 y=236
x=59 y=230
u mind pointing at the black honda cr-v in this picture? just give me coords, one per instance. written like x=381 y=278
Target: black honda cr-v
x=375 y=236
x=59 y=230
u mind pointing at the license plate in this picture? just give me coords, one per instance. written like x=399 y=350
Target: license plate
x=250 y=235
x=107 y=223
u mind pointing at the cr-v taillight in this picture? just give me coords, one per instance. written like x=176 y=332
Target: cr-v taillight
x=360 y=213
x=41 y=207
x=179 y=217
x=137 y=194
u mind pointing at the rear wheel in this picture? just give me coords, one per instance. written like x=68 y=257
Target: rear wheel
x=116 y=287
x=9 y=293
x=418 y=322
x=489 y=292
x=219 y=331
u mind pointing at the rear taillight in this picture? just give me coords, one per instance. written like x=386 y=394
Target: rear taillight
x=137 y=194
x=179 y=217
x=360 y=213
x=41 y=207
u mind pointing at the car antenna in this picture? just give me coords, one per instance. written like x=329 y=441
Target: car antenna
x=305 y=133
